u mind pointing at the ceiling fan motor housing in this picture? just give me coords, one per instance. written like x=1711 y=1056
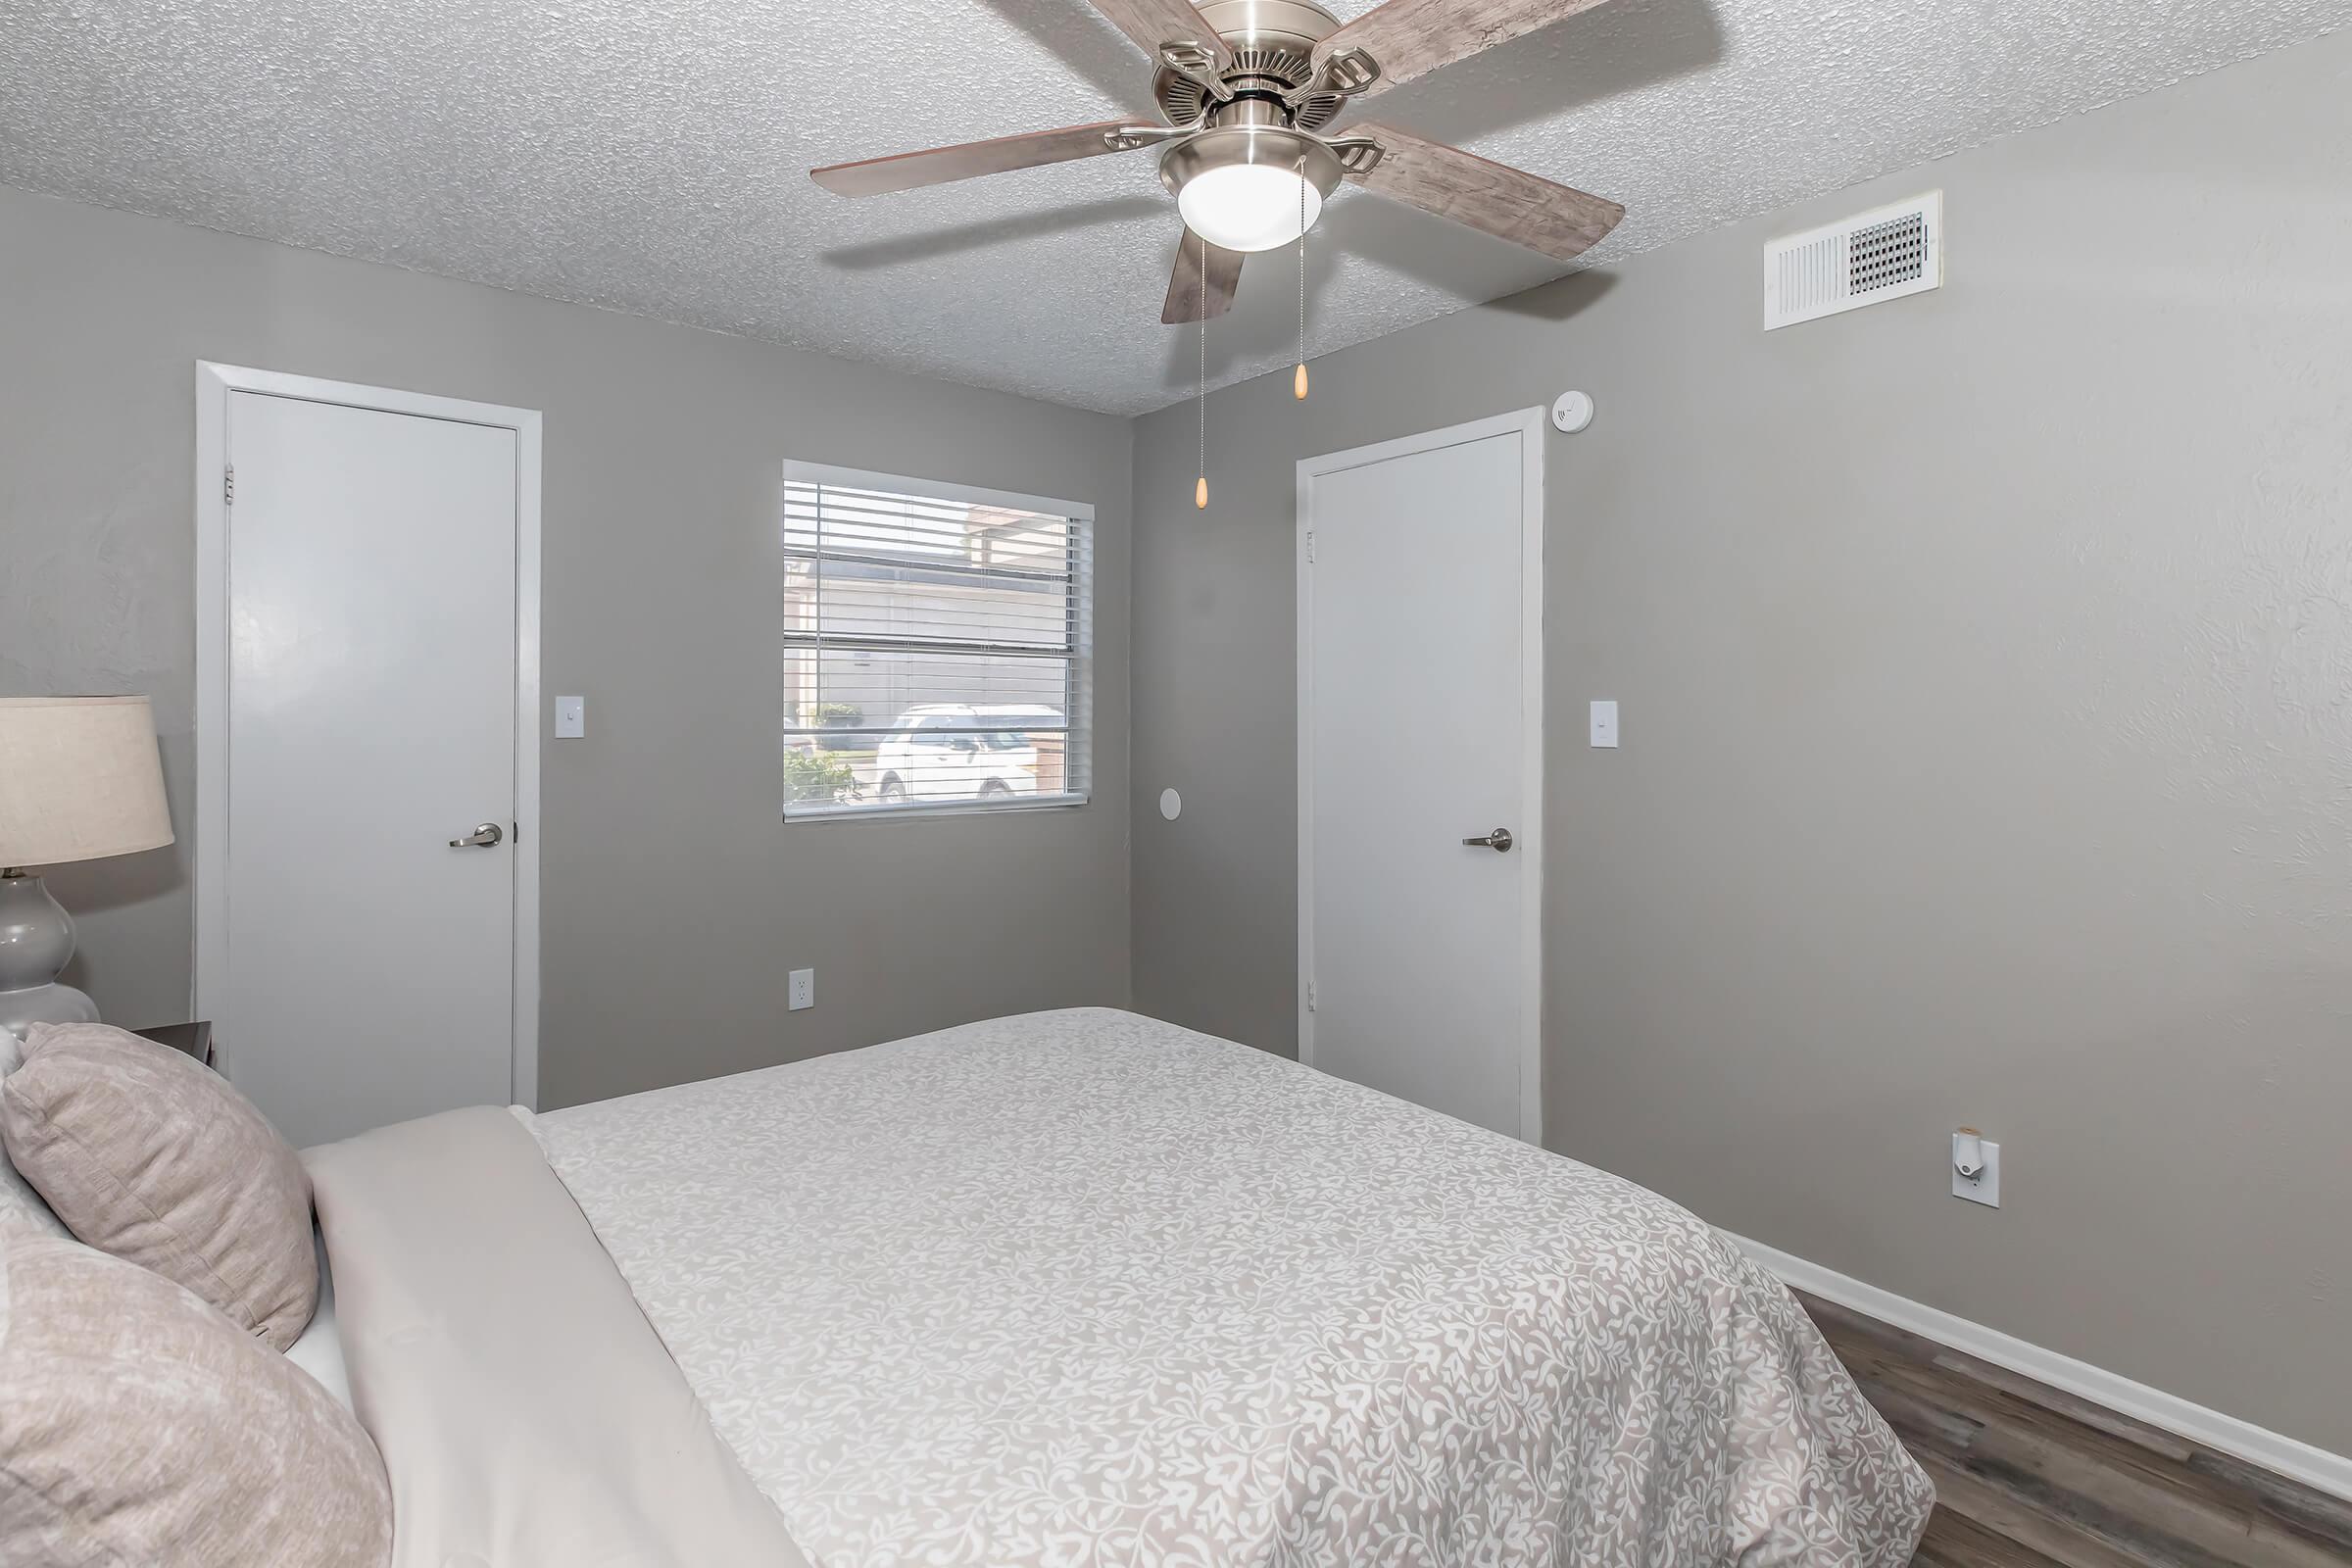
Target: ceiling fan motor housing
x=1273 y=44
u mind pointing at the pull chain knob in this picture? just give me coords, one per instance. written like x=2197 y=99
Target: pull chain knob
x=1299 y=381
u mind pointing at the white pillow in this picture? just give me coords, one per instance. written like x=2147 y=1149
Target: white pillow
x=20 y=1208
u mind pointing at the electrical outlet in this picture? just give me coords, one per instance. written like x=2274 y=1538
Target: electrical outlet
x=804 y=989
x=1985 y=1186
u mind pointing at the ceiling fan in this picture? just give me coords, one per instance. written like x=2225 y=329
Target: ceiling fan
x=1247 y=89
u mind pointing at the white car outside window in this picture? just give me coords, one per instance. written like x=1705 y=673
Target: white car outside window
x=956 y=751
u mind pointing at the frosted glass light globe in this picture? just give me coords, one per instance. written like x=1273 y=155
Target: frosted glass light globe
x=1249 y=206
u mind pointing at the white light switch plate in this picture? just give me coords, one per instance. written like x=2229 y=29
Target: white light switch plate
x=1986 y=1189
x=571 y=717
x=1604 y=723
x=804 y=991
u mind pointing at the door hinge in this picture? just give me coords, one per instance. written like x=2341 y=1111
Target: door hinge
x=1310 y=547
x=228 y=485
x=1311 y=995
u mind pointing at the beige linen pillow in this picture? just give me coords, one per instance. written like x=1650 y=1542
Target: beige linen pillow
x=143 y=1427
x=20 y=1208
x=147 y=1153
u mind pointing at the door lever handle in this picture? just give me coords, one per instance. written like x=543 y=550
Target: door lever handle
x=486 y=836
x=1500 y=841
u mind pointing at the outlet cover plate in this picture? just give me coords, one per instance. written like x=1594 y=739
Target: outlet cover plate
x=1986 y=1189
x=804 y=991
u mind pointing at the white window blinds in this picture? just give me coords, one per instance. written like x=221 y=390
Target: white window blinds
x=935 y=646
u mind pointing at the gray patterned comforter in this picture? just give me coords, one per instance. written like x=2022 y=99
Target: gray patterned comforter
x=1083 y=1289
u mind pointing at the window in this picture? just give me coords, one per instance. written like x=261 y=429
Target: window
x=936 y=645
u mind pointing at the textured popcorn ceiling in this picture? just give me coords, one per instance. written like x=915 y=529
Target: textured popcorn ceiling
x=650 y=156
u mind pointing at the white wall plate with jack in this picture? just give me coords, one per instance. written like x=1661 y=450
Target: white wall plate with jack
x=1975 y=1168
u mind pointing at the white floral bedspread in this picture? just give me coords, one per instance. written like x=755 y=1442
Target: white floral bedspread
x=1083 y=1289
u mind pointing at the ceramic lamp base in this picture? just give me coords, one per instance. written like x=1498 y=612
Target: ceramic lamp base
x=37 y=938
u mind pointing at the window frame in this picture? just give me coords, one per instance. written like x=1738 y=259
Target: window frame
x=1078 y=685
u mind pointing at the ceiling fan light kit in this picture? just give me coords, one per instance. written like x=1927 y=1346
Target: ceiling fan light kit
x=1248 y=187
x=1247 y=89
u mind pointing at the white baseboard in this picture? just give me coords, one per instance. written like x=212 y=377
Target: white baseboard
x=2330 y=1473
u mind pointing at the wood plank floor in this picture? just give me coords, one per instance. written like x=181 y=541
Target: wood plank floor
x=2030 y=1477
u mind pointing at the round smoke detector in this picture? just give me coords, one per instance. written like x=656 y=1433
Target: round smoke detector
x=1572 y=411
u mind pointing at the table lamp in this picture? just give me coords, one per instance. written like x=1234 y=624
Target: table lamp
x=79 y=780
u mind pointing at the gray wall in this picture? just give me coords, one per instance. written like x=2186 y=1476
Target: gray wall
x=674 y=900
x=1987 y=670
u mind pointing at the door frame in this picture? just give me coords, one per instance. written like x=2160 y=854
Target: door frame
x=214 y=384
x=1528 y=424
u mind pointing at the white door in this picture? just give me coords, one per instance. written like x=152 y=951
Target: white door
x=366 y=971
x=1420 y=726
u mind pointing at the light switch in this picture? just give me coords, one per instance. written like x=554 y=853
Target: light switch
x=1604 y=723
x=571 y=717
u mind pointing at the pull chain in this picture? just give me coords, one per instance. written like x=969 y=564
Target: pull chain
x=1201 y=305
x=1299 y=381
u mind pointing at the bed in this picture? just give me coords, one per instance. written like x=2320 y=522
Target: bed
x=1072 y=1288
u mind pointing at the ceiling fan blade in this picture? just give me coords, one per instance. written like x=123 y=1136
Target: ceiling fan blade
x=939 y=166
x=1153 y=23
x=1510 y=203
x=1415 y=38
x=1193 y=296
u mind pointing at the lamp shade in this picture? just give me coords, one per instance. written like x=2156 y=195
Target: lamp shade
x=80 y=779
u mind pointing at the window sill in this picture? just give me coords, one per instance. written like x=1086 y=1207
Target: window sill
x=870 y=810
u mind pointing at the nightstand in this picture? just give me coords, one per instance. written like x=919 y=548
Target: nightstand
x=194 y=1039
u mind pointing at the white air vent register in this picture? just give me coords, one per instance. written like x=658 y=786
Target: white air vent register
x=1883 y=253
